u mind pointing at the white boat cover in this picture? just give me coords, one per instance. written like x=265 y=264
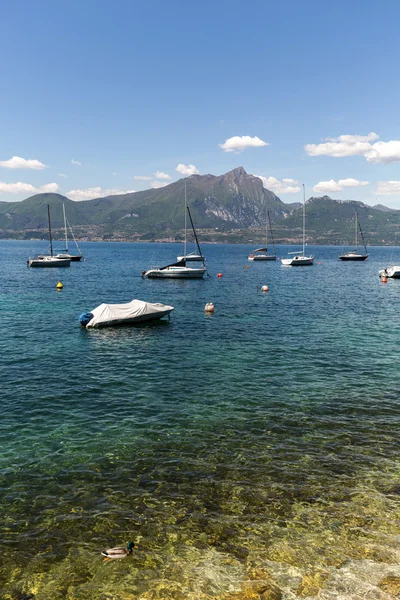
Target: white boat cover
x=131 y=312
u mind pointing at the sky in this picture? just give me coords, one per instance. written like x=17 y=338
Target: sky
x=103 y=97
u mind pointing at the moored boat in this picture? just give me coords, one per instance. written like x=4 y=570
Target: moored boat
x=51 y=260
x=393 y=272
x=262 y=253
x=136 y=311
x=180 y=270
x=299 y=258
x=355 y=255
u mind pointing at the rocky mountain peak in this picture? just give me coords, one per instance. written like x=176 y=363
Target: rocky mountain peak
x=237 y=173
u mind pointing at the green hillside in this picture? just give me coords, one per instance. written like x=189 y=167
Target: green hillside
x=229 y=207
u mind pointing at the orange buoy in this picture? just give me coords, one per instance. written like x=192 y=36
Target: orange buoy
x=384 y=279
x=264 y=288
x=246 y=266
x=219 y=274
x=319 y=262
x=209 y=307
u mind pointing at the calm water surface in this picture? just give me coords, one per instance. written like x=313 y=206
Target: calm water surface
x=257 y=443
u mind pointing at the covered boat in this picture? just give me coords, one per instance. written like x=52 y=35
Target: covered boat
x=136 y=311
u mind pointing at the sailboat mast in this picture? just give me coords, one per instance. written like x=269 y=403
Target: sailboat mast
x=356 y=224
x=65 y=229
x=185 y=242
x=51 y=243
x=266 y=223
x=304 y=220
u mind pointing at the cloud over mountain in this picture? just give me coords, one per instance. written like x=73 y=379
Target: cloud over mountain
x=94 y=192
x=239 y=143
x=187 y=170
x=27 y=188
x=338 y=186
x=284 y=186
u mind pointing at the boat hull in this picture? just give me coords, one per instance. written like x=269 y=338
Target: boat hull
x=353 y=256
x=142 y=319
x=48 y=263
x=175 y=273
x=298 y=261
x=262 y=257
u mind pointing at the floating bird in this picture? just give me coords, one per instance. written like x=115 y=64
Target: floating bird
x=118 y=551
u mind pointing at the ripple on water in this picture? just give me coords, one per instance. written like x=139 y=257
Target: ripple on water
x=253 y=451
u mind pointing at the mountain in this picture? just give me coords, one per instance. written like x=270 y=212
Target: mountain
x=383 y=208
x=330 y=221
x=233 y=200
x=229 y=207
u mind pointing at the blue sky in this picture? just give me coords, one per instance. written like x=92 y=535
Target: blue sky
x=98 y=94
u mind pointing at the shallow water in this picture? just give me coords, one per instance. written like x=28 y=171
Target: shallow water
x=259 y=443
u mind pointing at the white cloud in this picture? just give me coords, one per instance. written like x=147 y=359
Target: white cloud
x=387 y=188
x=357 y=145
x=158 y=184
x=51 y=188
x=238 y=143
x=62 y=175
x=161 y=175
x=327 y=186
x=338 y=186
x=285 y=186
x=354 y=139
x=344 y=145
x=95 y=192
x=384 y=152
x=27 y=188
x=351 y=182
x=16 y=162
x=143 y=177
x=187 y=170
x=76 y=162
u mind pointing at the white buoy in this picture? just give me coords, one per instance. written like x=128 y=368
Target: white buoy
x=264 y=288
x=209 y=307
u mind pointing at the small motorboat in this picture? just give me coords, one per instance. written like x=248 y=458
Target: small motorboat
x=136 y=311
x=390 y=272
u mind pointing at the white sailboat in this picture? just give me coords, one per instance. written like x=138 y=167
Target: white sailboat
x=179 y=270
x=262 y=253
x=51 y=260
x=355 y=254
x=299 y=258
x=66 y=254
x=190 y=256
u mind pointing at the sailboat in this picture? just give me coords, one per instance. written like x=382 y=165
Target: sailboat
x=190 y=256
x=49 y=261
x=179 y=270
x=66 y=254
x=299 y=258
x=355 y=254
x=262 y=253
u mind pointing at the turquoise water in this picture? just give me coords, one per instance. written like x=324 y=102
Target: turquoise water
x=259 y=443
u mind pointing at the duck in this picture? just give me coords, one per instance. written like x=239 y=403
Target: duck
x=118 y=551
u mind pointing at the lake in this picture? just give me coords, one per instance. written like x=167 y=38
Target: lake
x=250 y=450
